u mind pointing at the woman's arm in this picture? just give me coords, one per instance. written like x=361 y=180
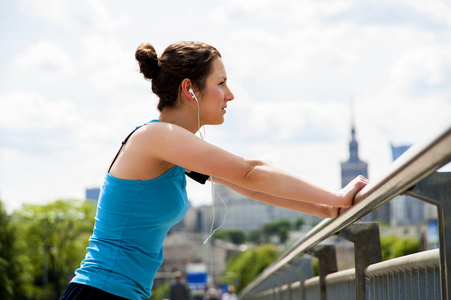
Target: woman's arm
x=180 y=147
x=319 y=210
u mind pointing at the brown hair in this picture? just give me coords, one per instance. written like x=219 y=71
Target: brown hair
x=180 y=60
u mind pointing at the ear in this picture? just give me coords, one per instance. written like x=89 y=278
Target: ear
x=185 y=87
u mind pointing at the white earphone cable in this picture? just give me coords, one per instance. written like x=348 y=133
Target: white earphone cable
x=213 y=190
x=202 y=136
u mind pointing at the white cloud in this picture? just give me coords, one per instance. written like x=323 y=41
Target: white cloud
x=31 y=110
x=74 y=14
x=46 y=62
x=277 y=14
x=438 y=10
x=425 y=67
x=111 y=68
x=34 y=126
x=289 y=121
x=294 y=67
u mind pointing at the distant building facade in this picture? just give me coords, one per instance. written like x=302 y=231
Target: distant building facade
x=406 y=210
x=92 y=194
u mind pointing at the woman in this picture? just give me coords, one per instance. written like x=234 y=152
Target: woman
x=144 y=190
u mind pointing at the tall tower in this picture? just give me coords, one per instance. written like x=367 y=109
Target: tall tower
x=353 y=166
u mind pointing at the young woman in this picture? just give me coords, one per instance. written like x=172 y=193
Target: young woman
x=144 y=190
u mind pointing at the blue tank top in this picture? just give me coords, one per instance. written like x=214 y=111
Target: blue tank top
x=133 y=218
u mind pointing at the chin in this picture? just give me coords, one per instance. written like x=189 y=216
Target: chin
x=218 y=121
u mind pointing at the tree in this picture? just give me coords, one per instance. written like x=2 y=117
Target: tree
x=255 y=236
x=235 y=236
x=161 y=292
x=12 y=268
x=279 y=228
x=55 y=238
x=393 y=246
x=247 y=265
x=298 y=223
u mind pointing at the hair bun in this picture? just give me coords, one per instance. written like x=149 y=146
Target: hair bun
x=148 y=60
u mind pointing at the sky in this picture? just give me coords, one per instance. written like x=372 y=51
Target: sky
x=301 y=71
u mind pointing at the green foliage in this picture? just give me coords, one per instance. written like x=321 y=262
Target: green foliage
x=54 y=238
x=393 y=246
x=255 y=236
x=298 y=223
x=161 y=292
x=12 y=266
x=247 y=265
x=315 y=266
x=279 y=228
x=235 y=236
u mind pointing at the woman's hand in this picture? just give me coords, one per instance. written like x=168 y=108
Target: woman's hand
x=333 y=212
x=347 y=194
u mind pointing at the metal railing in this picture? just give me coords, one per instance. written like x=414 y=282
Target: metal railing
x=414 y=174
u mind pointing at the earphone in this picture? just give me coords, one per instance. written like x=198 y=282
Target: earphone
x=202 y=136
x=192 y=93
x=213 y=190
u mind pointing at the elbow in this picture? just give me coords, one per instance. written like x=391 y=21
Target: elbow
x=252 y=172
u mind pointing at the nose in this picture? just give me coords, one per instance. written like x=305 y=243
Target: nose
x=229 y=95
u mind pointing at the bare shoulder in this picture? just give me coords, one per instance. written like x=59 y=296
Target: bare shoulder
x=163 y=133
x=141 y=157
x=175 y=145
x=166 y=141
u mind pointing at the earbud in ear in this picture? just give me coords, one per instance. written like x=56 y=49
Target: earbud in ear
x=194 y=95
x=192 y=92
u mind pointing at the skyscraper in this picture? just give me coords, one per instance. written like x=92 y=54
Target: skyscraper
x=353 y=166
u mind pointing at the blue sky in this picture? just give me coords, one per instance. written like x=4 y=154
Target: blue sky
x=70 y=89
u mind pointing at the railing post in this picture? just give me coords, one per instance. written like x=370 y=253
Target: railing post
x=436 y=189
x=367 y=251
x=327 y=260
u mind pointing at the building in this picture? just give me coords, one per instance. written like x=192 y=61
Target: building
x=354 y=167
x=406 y=210
x=92 y=194
x=182 y=248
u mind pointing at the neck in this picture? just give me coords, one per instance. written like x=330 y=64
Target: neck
x=184 y=117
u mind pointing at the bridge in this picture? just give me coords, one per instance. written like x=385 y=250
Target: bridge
x=424 y=275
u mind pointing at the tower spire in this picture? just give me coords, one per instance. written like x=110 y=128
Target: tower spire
x=353 y=145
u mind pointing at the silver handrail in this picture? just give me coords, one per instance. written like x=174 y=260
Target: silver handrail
x=414 y=165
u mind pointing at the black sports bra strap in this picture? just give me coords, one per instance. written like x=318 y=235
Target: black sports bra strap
x=201 y=178
x=123 y=143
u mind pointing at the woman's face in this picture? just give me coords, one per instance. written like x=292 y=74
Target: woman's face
x=216 y=94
